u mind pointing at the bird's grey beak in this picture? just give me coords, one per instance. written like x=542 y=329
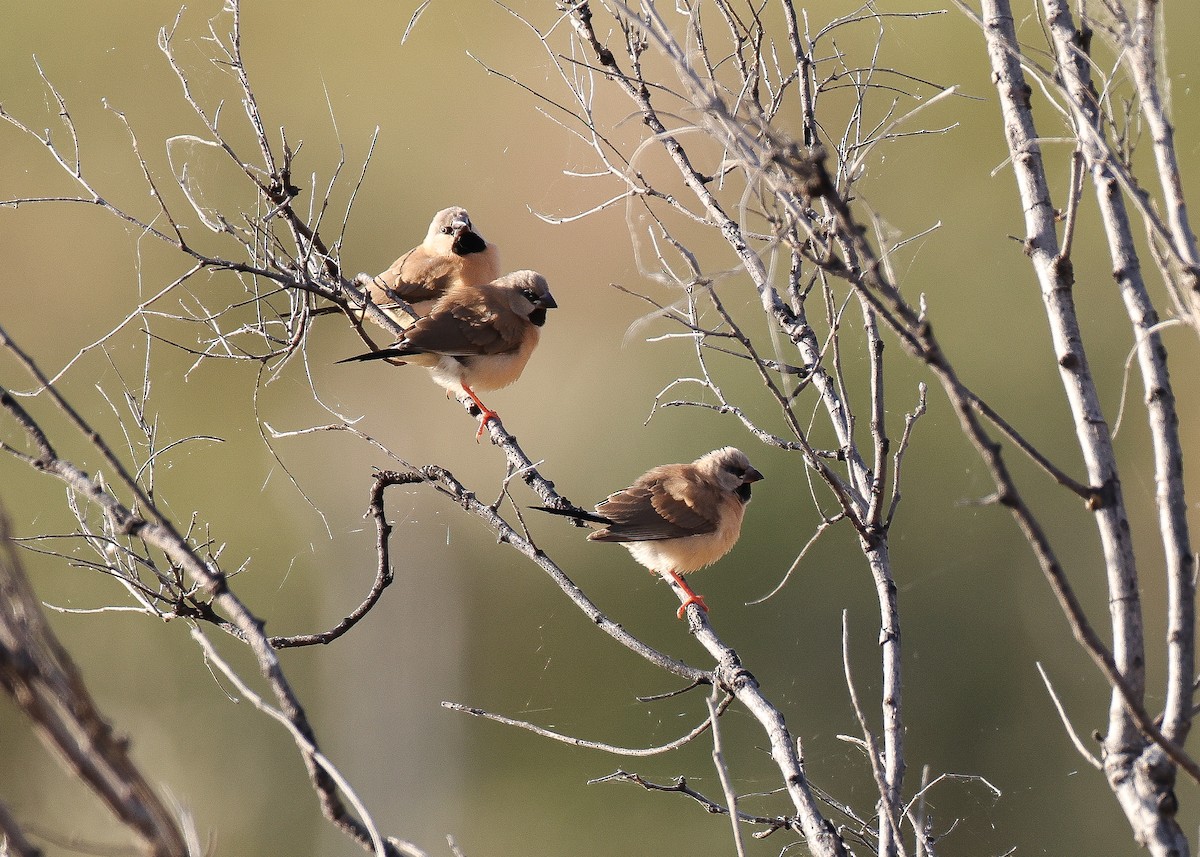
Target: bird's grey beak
x=459 y=224
x=549 y=303
x=752 y=475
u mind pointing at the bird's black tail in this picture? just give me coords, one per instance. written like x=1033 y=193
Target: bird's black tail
x=578 y=514
x=382 y=354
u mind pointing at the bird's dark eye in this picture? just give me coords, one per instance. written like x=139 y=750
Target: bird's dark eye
x=529 y=295
x=447 y=230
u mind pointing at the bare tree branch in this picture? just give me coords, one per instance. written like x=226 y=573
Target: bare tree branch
x=159 y=531
x=592 y=745
x=41 y=678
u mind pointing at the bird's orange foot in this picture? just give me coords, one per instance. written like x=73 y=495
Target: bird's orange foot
x=485 y=417
x=698 y=600
x=486 y=414
x=692 y=597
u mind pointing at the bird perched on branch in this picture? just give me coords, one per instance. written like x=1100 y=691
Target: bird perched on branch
x=452 y=254
x=476 y=336
x=677 y=518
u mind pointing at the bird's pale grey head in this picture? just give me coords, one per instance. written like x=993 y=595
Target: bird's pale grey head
x=452 y=227
x=731 y=469
x=530 y=295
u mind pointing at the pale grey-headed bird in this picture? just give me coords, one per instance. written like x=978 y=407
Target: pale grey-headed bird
x=452 y=254
x=677 y=518
x=476 y=336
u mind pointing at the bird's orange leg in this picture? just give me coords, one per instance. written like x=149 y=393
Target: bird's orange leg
x=486 y=414
x=692 y=597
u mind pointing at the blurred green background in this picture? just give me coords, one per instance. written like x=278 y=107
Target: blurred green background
x=467 y=620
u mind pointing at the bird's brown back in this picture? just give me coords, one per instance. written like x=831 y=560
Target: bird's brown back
x=468 y=321
x=662 y=504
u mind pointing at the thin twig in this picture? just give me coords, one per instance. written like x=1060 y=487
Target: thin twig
x=1088 y=756
x=586 y=744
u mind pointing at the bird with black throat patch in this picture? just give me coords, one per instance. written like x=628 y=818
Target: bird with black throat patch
x=677 y=518
x=476 y=337
x=452 y=254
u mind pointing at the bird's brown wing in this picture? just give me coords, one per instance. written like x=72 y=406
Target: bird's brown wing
x=466 y=323
x=418 y=276
x=657 y=507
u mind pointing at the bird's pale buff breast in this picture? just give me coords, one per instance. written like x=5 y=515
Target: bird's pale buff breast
x=485 y=371
x=692 y=553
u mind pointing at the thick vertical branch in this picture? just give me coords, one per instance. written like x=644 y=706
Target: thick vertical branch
x=1142 y=780
x=1057 y=280
x=875 y=549
x=1152 y=362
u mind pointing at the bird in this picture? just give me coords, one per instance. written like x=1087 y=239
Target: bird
x=452 y=254
x=677 y=518
x=476 y=336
